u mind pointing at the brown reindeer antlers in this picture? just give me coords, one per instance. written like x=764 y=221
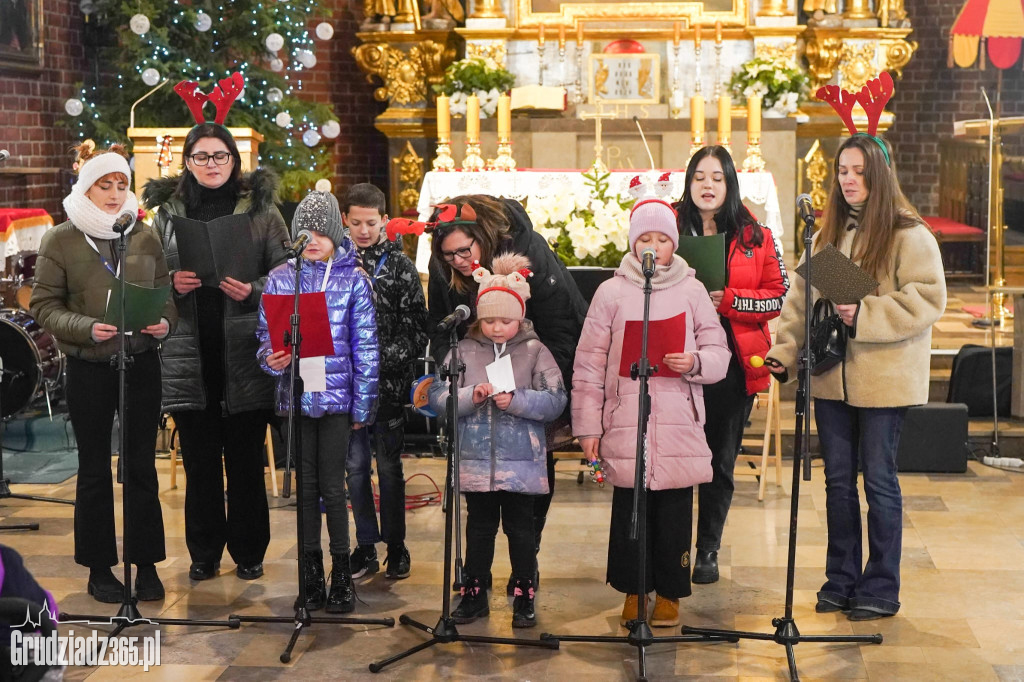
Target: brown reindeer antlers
x=872 y=97
x=223 y=96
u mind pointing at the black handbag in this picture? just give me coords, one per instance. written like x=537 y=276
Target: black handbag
x=828 y=337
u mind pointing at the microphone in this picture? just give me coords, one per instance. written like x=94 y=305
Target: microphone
x=295 y=248
x=647 y=261
x=124 y=221
x=803 y=205
x=4 y=155
x=461 y=314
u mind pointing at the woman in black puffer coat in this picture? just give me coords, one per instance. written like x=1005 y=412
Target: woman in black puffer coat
x=486 y=227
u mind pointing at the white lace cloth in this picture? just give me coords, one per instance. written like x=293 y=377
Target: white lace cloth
x=756 y=189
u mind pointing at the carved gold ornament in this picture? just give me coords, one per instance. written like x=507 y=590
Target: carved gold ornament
x=823 y=50
x=897 y=53
x=786 y=52
x=857 y=65
x=410 y=174
x=496 y=51
x=817 y=173
x=570 y=13
x=406 y=75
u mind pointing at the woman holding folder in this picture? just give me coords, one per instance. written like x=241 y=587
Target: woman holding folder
x=859 y=404
x=750 y=294
x=214 y=388
x=77 y=267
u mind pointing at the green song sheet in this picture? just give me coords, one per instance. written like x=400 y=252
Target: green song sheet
x=145 y=306
x=706 y=255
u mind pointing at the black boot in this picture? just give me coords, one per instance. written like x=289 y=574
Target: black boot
x=147 y=584
x=342 y=598
x=316 y=584
x=103 y=586
x=474 y=602
x=523 y=615
x=705 y=567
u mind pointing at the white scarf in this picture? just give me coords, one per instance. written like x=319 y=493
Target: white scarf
x=90 y=219
x=665 y=276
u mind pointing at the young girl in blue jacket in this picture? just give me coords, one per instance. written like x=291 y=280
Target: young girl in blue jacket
x=347 y=403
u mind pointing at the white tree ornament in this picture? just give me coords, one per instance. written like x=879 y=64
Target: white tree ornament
x=311 y=138
x=274 y=42
x=139 y=24
x=151 y=76
x=283 y=119
x=331 y=129
x=203 y=22
x=74 y=106
x=324 y=31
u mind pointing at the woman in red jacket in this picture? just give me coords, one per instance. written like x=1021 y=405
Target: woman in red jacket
x=756 y=283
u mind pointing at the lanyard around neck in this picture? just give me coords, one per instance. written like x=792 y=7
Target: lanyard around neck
x=106 y=263
x=497 y=351
x=327 y=275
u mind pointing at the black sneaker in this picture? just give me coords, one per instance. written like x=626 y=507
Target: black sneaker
x=364 y=561
x=398 y=562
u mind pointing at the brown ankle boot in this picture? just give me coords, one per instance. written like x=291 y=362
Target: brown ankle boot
x=630 y=609
x=666 y=612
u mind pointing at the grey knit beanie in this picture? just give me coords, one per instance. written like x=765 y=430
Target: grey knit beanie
x=319 y=211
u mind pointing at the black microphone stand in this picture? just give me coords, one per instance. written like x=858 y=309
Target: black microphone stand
x=128 y=615
x=640 y=634
x=302 y=618
x=445 y=632
x=786 y=632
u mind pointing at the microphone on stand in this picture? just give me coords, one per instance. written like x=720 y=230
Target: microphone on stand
x=647 y=262
x=295 y=248
x=461 y=314
x=806 y=209
x=124 y=221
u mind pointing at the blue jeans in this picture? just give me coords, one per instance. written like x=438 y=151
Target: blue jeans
x=388 y=439
x=873 y=434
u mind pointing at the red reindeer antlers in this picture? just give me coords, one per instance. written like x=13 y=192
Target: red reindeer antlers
x=450 y=214
x=223 y=96
x=872 y=97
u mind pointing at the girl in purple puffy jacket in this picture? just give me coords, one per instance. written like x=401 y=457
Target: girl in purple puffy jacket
x=340 y=395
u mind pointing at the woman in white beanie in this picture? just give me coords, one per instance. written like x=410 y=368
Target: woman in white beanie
x=605 y=403
x=78 y=261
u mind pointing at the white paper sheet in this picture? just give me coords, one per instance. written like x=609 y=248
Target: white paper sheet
x=314 y=373
x=500 y=375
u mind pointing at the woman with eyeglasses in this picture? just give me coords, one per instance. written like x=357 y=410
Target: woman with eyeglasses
x=483 y=228
x=213 y=386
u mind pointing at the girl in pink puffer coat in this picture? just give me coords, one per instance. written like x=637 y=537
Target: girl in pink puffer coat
x=605 y=404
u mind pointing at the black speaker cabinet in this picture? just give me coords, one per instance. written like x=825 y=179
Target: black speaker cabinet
x=934 y=439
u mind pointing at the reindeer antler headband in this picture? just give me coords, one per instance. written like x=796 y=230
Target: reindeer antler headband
x=872 y=97
x=446 y=216
x=223 y=96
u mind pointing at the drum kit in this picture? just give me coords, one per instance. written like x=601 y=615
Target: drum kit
x=31 y=365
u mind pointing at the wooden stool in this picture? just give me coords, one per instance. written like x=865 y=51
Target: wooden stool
x=772 y=427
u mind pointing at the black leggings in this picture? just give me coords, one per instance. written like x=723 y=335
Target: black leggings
x=515 y=510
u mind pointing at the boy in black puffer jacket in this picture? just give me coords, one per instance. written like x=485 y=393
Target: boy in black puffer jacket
x=401 y=331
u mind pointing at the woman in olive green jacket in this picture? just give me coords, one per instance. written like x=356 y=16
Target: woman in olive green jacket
x=78 y=263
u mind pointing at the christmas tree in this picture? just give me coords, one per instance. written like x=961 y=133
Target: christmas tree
x=205 y=41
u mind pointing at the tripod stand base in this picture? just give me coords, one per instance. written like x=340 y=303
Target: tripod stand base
x=129 y=616
x=5 y=492
x=787 y=634
x=445 y=632
x=302 y=619
x=640 y=636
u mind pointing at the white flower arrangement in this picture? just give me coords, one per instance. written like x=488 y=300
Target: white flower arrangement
x=780 y=83
x=480 y=76
x=590 y=229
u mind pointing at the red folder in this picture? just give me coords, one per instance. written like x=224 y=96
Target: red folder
x=663 y=337
x=313 y=323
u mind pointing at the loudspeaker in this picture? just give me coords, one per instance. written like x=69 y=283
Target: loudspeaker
x=934 y=439
x=970 y=380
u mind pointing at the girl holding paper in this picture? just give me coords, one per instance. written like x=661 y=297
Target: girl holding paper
x=78 y=263
x=511 y=389
x=859 y=405
x=605 y=403
x=340 y=389
x=755 y=286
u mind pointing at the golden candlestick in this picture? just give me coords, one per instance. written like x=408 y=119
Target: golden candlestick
x=443 y=160
x=754 y=161
x=472 y=161
x=504 y=160
x=696 y=123
x=487 y=9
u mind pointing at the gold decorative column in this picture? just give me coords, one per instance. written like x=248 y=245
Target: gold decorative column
x=487 y=9
x=774 y=8
x=858 y=9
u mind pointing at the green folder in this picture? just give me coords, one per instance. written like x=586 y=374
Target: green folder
x=145 y=306
x=706 y=255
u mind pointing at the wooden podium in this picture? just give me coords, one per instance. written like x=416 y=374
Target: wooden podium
x=146 y=148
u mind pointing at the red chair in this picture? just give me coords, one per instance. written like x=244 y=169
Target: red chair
x=962 y=247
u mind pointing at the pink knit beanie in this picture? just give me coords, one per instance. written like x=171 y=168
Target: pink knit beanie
x=652 y=215
x=504 y=293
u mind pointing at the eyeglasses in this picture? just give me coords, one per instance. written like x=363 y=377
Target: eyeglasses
x=203 y=159
x=464 y=253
